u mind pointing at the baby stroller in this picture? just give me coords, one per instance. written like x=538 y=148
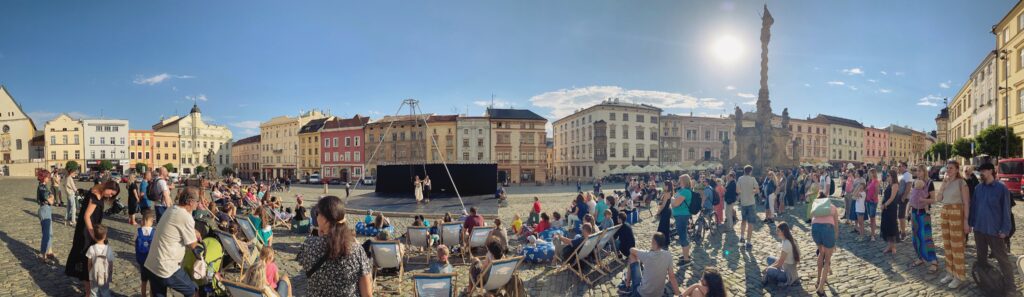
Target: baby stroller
x=116 y=208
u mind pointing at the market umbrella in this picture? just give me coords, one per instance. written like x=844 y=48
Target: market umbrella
x=633 y=169
x=653 y=169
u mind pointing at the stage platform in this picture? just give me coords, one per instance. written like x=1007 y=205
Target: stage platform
x=486 y=205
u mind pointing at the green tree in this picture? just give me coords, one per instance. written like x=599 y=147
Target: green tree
x=72 y=166
x=200 y=169
x=992 y=141
x=106 y=165
x=941 y=150
x=169 y=167
x=962 y=148
x=140 y=167
x=227 y=171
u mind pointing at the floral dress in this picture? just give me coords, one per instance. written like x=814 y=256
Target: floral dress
x=337 y=277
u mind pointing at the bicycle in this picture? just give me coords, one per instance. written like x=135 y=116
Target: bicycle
x=702 y=226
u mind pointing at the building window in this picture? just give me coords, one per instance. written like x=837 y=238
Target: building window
x=355 y=141
x=76 y=139
x=625 y=116
x=611 y=116
x=53 y=139
x=625 y=130
x=611 y=150
x=639 y=118
x=1020 y=107
x=611 y=131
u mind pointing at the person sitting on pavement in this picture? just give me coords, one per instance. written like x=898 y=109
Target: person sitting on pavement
x=649 y=270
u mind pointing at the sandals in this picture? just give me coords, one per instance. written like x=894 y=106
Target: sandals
x=934 y=268
x=916 y=263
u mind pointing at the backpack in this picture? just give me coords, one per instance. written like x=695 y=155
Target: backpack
x=821 y=207
x=694 y=203
x=142 y=243
x=153 y=191
x=100 y=270
x=989 y=279
x=730 y=193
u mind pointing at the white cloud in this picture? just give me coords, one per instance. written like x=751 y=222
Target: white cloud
x=246 y=124
x=200 y=97
x=897 y=73
x=930 y=100
x=565 y=101
x=751 y=102
x=884 y=91
x=251 y=131
x=854 y=71
x=872 y=81
x=498 y=103
x=946 y=85
x=883 y=72
x=746 y=95
x=836 y=83
x=159 y=78
x=730 y=88
x=807 y=85
x=852 y=88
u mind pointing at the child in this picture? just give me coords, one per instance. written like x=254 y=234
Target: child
x=369 y=217
x=517 y=224
x=279 y=283
x=101 y=263
x=534 y=213
x=557 y=223
x=441 y=265
x=143 y=238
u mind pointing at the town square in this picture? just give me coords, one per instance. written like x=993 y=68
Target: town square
x=457 y=148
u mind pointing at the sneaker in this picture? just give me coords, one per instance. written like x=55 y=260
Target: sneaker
x=955 y=283
x=946 y=278
x=741 y=239
x=750 y=246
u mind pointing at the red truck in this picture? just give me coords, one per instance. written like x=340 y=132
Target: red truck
x=1010 y=171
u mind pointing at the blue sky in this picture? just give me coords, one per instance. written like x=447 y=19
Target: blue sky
x=878 y=62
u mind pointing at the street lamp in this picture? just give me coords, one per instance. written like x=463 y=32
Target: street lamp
x=948 y=121
x=1003 y=55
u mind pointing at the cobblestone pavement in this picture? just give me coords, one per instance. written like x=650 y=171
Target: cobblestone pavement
x=859 y=267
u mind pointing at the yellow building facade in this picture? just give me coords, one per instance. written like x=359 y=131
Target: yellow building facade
x=140 y=148
x=1010 y=70
x=165 y=149
x=309 y=147
x=279 y=141
x=442 y=131
x=64 y=141
x=16 y=133
x=960 y=115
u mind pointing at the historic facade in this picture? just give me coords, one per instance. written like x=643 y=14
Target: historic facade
x=474 y=139
x=394 y=140
x=279 y=140
x=518 y=140
x=958 y=117
x=245 y=156
x=64 y=136
x=106 y=140
x=593 y=141
x=342 y=148
x=688 y=140
x=1009 y=49
x=140 y=149
x=309 y=147
x=200 y=144
x=443 y=142
x=810 y=138
x=899 y=143
x=876 y=145
x=16 y=133
x=165 y=150
x=983 y=92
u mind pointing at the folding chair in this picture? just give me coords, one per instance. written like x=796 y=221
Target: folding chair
x=237 y=252
x=387 y=255
x=237 y=289
x=249 y=229
x=281 y=219
x=477 y=239
x=576 y=261
x=606 y=249
x=418 y=237
x=433 y=285
x=497 y=276
x=451 y=235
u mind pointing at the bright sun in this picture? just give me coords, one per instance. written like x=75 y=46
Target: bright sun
x=727 y=48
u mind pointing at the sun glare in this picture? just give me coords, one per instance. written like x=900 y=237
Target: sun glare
x=727 y=48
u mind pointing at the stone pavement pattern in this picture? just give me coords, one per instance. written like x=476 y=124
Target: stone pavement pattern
x=859 y=267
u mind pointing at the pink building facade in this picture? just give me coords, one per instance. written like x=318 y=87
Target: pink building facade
x=341 y=146
x=876 y=145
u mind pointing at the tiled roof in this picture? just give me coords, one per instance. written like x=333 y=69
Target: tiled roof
x=248 y=140
x=442 y=118
x=899 y=130
x=839 y=121
x=356 y=121
x=513 y=114
x=313 y=125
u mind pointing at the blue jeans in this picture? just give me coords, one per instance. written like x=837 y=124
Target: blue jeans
x=71 y=213
x=45 y=221
x=179 y=281
x=634 y=279
x=681 y=223
x=282 y=288
x=774 y=275
x=160 y=211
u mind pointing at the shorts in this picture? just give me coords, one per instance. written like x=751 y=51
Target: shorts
x=901 y=209
x=870 y=209
x=824 y=234
x=145 y=275
x=748 y=214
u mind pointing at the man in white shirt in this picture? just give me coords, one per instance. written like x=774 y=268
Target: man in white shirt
x=747 y=186
x=825 y=183
x=905 y=179
x=173 y=234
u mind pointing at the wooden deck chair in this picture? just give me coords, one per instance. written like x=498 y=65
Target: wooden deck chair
x=605 y=251
x=238 y=289
x=249 y=229
x=241 y=255
x=477 y=239
x=278 y=221
x=497 y=276
x=575 y=263
x=433 y=285
x=451 y=235
x=386 y=255
x=418 y=237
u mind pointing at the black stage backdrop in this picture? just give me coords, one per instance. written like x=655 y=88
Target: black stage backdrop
x=472 y=179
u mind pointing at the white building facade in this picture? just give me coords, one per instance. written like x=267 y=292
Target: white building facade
x=106 y=140
x=592 y=142
x=474 y=139
x=984 y=92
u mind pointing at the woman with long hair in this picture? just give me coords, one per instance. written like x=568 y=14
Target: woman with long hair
x=90 y=216
x=333 y=262
x=825 y=232
x=890 y=231
x=921 y=221
x=681 y=213
x=956 y=208
x=783 y=268
x=44 y=197
x=710 y=285
x=665 y=212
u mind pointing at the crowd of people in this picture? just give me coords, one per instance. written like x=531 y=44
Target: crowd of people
x=335 y=264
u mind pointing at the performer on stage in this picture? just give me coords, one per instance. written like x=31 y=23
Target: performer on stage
x=418 y=189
